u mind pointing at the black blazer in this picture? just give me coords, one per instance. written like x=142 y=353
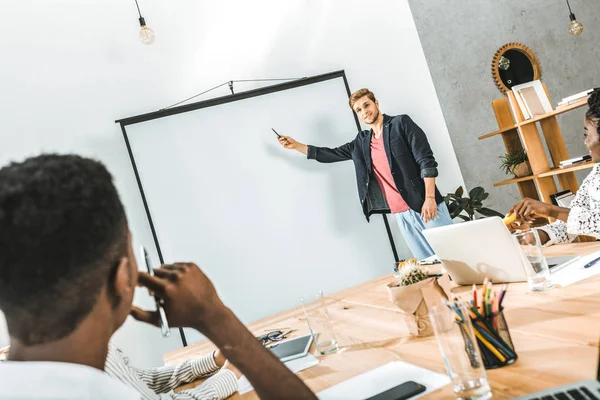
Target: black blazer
x=408 y=153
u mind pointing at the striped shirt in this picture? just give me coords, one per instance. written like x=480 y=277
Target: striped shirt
x=158 y=383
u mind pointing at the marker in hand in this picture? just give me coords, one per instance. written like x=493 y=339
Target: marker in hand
x=281 y=139
x=164 y=324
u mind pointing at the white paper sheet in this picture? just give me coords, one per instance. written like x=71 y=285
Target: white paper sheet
x=383 y=378
x=297 y=365
x=576 y=272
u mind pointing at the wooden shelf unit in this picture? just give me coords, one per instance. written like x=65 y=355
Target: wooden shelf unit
x=556 y=112
x=517 y=133
x=552 y=172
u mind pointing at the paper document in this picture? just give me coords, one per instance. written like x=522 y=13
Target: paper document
x=297 y=365
x=383 y=378
x=575 y=271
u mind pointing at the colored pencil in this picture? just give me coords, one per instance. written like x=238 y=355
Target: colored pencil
x=490 y=347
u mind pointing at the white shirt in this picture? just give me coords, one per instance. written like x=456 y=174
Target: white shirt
x=584 y=217
x=59 y=381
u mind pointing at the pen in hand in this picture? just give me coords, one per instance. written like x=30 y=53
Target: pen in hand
x=164 y=324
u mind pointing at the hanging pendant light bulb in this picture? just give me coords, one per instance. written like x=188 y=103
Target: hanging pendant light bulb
x=146 y=34
x=576 y=27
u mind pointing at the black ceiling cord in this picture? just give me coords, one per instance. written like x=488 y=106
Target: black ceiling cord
x=230 y=84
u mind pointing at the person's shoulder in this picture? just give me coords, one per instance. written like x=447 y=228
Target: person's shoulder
x=401 y=119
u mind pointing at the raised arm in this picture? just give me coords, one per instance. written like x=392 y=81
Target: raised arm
x=321 y=154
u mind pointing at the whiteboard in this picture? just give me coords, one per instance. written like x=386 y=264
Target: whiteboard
x=265 y=224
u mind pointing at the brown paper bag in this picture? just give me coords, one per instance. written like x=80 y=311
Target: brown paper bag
x=417 y=299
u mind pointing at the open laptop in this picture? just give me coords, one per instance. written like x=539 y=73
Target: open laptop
x=589 y=389
x=472 y=250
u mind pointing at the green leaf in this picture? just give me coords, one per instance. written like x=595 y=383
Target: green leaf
x=452 y=207
x=485 y=196
x=488 y=212
x=477 y=193
x=463 y=201
x=456 y=213
x=459 y=192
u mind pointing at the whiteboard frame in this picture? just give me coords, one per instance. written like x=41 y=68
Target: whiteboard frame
x=215 y=102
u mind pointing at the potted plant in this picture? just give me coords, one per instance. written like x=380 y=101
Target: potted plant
x=470 y=205
x=415 y=292
x=516 y=162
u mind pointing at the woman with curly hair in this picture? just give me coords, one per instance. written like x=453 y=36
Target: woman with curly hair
x=583 y=217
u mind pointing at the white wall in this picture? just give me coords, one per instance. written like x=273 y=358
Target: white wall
x=70 y=68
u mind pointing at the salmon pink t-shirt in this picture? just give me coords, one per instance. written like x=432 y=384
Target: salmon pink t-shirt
x=383 y=174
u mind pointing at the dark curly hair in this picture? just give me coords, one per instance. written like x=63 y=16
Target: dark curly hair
x=63 y=231
x=593 y=112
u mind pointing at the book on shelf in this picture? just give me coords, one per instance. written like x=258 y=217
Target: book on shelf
x=575 y=98
x=562 y=199
x=524 y=109
x=573 y=161
x=563 y=105
x=558 y=194
x=532 y=99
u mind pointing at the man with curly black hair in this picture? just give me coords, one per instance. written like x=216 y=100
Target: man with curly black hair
x=67 y=279
x=583 y=216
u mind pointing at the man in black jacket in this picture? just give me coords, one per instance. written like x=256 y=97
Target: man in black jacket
x=396 y=155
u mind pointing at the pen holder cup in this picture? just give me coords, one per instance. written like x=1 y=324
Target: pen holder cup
x=493 y=338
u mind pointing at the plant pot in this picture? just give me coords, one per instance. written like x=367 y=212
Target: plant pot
x=416 y=300
x=522 y=170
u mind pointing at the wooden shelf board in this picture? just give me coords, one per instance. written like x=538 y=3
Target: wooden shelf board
x=552 y=172
x=558 y=171
x=498 y=132
x=515 y=180
x=561 y=110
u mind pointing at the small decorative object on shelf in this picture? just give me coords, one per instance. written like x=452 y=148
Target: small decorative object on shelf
x=514 y=64
x=415 y=293
x=516 y=162
x=532 y=99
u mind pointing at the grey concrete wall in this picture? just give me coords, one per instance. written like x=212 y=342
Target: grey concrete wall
x=460 y=37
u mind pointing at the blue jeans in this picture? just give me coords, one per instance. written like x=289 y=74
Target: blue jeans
x=411 y=225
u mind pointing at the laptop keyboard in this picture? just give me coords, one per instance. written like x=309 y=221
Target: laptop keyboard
x=582 y=393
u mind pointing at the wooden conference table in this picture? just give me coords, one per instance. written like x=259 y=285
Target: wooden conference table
x=555 y=333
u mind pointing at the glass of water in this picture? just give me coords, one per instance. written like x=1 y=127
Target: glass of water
x=319 y=323
x=460 y=353
x=536 y=267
